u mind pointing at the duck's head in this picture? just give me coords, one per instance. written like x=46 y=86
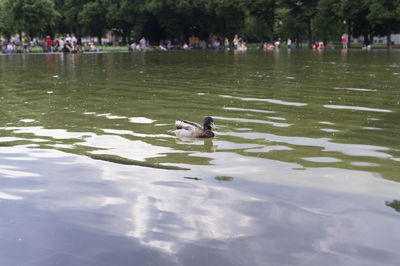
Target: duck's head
x=209 y=123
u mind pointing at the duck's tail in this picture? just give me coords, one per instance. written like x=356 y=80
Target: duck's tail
x=179 y=124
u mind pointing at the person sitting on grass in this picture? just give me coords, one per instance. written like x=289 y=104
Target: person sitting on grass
x=93 y=47
x=86 y=47
x=56 y=44
x=67 y=47
x=132 y=47
x=17 y=47
x=76 y=48
x=9 y=49
x=162 y=48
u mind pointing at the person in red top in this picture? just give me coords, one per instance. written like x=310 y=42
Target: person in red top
x=48 y=44
x=316 y=45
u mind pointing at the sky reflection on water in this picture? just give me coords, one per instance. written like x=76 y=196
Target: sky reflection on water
x=183 y=221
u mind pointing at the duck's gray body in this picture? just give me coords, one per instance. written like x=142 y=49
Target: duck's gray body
x=188 y=129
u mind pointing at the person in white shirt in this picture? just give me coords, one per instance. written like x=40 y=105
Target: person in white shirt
x=68 y=39
x=289 y=43
x=9 y=49
x=61 y=43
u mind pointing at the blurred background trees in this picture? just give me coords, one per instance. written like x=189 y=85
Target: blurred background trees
x=254 y=20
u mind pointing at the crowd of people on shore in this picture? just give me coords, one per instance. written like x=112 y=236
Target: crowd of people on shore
x=237 y=44
x=144 y=44
x=67 y=44
x=318 y=45
x=194 y=43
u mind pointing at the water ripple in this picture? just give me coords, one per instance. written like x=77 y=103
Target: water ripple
x=326 y=143
x=357 y=108
x=54 y=133
x=276 y=124
x=275 y=101
x=129 y=132
x=247 y=110
x=353 y=89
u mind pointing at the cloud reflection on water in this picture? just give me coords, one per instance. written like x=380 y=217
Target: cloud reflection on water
x=326 y=143
x=187 y=220
x=130 y=149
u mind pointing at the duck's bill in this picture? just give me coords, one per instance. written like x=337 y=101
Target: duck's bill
x=213 y=126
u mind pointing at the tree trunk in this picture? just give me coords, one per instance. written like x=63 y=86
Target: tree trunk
x=30 y=34
x=123 y=37
x=271 y=35
x=129 y=36
x=272 y=22
x=349 y=34
x=366 y=38
x=371 y=36
x=79 y=35
x=389 y=37
x=99 y=36
x=309 y=33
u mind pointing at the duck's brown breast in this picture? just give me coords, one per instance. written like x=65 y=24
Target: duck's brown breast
x=207 y=134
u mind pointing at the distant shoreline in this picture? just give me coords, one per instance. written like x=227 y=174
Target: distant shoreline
x=253 y=47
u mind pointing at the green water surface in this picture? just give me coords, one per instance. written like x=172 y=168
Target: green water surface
x=310 y=123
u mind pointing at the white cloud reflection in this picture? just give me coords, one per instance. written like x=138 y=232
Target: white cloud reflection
x=186 y=212
x=326 y=143
x=162 y=210
x=7 y=196
x=53 y=133
x=14 y=172
x=130 y=149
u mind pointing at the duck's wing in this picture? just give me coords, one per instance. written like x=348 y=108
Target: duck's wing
x=187 y=125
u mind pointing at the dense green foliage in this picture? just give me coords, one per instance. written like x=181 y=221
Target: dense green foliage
x=177 y=20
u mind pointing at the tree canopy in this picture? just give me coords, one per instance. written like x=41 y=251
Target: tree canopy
x=254 y=20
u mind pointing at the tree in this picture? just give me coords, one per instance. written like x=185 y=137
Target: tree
x=303 y=12
x=227 y=17
x=30 y=16
x=92 y=17
x=2 y=16
x=263 y=11
x=123 y=15
x=69 y=17
x=385 y=14
x=290 y=25
x=350 y=11
x=172 y=15
x=327 y=24
x=180 y=19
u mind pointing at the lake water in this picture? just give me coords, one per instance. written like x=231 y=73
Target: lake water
x=304 y=168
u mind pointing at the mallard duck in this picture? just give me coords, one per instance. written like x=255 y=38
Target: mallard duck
x=193 y=130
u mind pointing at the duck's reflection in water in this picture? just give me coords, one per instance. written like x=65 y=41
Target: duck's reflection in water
x=206 y=143
x=224 y=178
